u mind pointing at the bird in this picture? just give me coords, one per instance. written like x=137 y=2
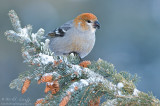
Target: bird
x=76 y=36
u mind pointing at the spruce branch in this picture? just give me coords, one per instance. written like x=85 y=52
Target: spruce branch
x=69 y=82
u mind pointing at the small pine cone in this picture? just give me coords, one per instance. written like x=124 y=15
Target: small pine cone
x=52 y=86
x=65 y=100
x=60 y=61
x=55 y=87
x=75 y=88
x=39 y=81
x=56 y=63
x=47 y=78
x=39 y=101
x=85 y=63
x=53 y=91
x=95 y=102
x=55 y=84
x=47 y=89
x=25 y=85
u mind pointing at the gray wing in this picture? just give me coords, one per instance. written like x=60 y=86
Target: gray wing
x=60 y=32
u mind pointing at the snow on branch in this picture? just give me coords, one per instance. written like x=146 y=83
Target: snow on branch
x=69 y=82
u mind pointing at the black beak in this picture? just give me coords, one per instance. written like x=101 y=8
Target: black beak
x=96 y=25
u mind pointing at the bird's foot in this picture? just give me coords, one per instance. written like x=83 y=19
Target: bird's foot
x=77 y=55
x=74 y=57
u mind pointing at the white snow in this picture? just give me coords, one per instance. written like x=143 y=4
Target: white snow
x=84 y=82
x=46 y=44
x=36 y=78
x=120 y=93
x=96 y=78
x=77 y=68
x=135 y=92
x=33 y=37
x=36 y=60
x=24 y=33
x=45 y=59
x=120 y=85
x=47 y=74
x=40 y=98
x=50 y=83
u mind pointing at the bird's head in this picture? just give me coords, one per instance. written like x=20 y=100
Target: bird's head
x=87 y=21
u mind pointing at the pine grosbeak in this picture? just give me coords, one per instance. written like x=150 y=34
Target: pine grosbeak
x=75 y=36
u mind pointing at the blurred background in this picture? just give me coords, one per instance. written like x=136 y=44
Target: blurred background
x=128 y=38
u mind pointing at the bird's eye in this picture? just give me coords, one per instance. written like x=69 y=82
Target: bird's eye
x=88 y=21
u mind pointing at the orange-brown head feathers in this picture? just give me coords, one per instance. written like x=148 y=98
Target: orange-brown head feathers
x=86 y=16
x=83 y=19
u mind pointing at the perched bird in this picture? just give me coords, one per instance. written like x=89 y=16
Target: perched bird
x=75 y=36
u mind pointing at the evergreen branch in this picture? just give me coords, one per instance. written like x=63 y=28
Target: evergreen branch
x=69 y=81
